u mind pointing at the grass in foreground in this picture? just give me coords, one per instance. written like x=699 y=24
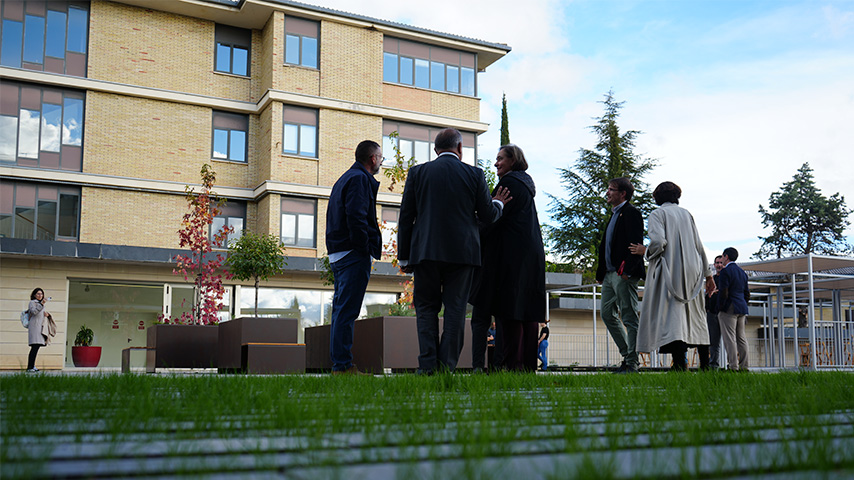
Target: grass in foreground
x=549 y=426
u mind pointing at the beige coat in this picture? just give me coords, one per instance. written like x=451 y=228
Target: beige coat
x=37 y=323
x=673 y=304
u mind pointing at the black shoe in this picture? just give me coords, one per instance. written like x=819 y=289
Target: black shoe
x=425 y=373
x=621 y=368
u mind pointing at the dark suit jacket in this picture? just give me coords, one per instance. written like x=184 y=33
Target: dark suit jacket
x=351 y=215
x=442 y=201
x=628 y=229
x=733 y=290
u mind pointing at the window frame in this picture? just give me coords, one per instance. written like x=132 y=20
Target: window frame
x=291 y=116
x=232 y=38
x=297 y=216
x=415 y=133
x=299 y=29
x=224 y=118
x=429 y=67
x=18 y=97
x=36 y=52
x=232 y=211
x=11 y=192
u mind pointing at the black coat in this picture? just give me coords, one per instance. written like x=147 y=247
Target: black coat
x=628 y=229
x=442 y=203
x=511 y=284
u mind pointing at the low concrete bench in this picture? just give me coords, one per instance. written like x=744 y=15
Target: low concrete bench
x=259 y=357
x=126 y=359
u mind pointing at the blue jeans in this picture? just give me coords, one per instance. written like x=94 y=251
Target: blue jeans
x=541 y=354
x=351 y=280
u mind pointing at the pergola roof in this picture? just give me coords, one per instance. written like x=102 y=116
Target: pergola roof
x=829 y=273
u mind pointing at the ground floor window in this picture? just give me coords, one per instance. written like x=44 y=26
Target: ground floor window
x=310 y=307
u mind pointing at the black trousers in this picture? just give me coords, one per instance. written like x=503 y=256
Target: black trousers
x=438 y=284
x=31 y=360
x=480 y=322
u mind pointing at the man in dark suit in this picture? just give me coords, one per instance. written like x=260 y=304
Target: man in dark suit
x=438 y=241
x=732 y=310
x=352 y=239
x=619 y=271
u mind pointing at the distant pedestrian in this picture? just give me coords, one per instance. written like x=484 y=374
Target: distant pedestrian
x=710 y=355
x=352 y=239
x=542 y=347
x=39 y=329
x=732 y=310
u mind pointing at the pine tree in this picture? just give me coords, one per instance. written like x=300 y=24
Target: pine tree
x=581 y=215
x=802 y=220
x=505 y=123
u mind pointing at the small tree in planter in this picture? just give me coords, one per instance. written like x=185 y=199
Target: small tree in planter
x=256 y=256
x=200 y=264
x=83 y=354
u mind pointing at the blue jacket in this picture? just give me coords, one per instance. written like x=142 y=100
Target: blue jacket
x=733 y=290
x=351 y=216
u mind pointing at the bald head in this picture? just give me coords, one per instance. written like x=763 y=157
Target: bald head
x=449 y=140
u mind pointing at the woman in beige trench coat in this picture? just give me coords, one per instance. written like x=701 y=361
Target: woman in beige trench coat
x=35 y=331
x=673 y=315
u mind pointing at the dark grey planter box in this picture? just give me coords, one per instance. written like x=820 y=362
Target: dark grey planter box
x=181 y=346
x=240 y=331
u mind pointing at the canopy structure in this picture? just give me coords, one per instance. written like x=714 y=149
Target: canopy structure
x=807 y=281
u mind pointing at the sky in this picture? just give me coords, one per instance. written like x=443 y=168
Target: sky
x=732 y=97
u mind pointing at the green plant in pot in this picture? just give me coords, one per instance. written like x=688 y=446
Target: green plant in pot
x=83 y=354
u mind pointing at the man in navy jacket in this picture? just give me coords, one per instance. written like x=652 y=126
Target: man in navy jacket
x=732 y=310
x=352 y=239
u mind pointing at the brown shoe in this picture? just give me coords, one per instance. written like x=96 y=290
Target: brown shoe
x=350 y=371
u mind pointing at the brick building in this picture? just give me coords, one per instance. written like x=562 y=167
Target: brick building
x=109 y=108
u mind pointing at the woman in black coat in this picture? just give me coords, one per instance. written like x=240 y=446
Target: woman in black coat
x=510 y=285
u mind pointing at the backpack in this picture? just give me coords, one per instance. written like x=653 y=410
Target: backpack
x=25 y=319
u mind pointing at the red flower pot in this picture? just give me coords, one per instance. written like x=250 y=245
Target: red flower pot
x=86 y=356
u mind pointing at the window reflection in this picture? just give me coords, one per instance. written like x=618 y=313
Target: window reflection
x=34 y=39
x=77 y=27
x=8 y=138
x=51 y=119
x=309 y=307
x=55 y=44
x=72 y=122
x=28 y=136
x=10 y=51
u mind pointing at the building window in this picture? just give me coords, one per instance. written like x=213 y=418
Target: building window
x=416 y=141
x=301 y=45
x=426 y=66
x=389 y=228
x=232 y=214
x=230 y=131
x=300 y=131
x=298 y=222
x=39 y=211
x=50 y=37
x=233 y=47
x=41 y=127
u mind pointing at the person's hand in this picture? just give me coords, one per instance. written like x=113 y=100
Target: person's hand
x=637 y=248
x=502 y=194
x=711 y=288
x=624 y=276
x=43 y=301
x=407 y=269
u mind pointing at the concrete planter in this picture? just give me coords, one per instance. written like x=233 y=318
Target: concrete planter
x=181 y=346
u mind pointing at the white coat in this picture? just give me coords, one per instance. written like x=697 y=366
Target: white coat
x=673 y=304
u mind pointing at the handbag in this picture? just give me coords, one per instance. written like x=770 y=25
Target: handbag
x=25 y=319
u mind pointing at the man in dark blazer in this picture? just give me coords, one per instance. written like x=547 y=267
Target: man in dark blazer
x=619 y=271
x=352 y=239
x=438 y=241
x=732 y=310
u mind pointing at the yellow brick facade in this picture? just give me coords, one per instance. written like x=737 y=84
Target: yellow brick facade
x=150 y=95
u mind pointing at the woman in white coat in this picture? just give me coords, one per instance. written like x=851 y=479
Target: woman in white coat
x=38 y=316
x=673 y=316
